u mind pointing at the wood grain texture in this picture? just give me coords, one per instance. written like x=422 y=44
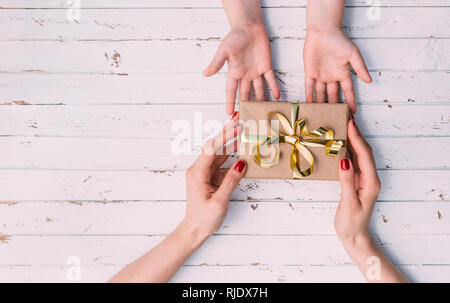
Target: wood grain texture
x=205 y=24
x=69 y=89
x=218 y=250
x=86 y=166
x=252 y=217
x=125 y=57
x=226 y=274
x=159 y=120
x=154 y=153
x=107 y=185
x=195 y=4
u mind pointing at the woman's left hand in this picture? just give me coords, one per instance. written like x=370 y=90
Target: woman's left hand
x=208 y=192
x=209 y=188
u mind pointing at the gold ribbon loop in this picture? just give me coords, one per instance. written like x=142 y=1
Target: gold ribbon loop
x=295 y=133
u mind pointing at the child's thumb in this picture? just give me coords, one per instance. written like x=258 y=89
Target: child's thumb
x=347 y=179
x=217 y=63
x=231 y=181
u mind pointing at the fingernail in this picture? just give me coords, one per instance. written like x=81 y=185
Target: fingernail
x=345 y=164
x=240 y=166
x=234 y=115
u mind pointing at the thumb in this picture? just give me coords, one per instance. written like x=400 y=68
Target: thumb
x=359 y=66
x=217 y=62
x=347 y=179
x=231 y=180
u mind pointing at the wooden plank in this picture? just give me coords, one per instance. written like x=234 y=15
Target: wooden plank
x=152 y=56
x=395 y=87
x=281 y=217
x=181 y=24
x=209 y=274
x=226 y=274
x=154 y=154
x=79 y=185
x=300 y=274
x=196 y=4
x=219 y=250
x=161 y=120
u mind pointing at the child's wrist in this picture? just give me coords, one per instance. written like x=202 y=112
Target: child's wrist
x=323 y=28
x=248 y=23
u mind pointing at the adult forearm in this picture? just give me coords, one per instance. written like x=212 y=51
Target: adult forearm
x=372 y=262
x=241 y=13
x=324 y=14
x=162 y=262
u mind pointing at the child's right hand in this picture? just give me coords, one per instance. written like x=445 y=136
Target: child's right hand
x=360 y=187
x=246 y=49
x=327 y=57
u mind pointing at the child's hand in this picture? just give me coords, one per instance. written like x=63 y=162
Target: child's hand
x=327 y=57
x=360 y=188
x=208 y=187
x=246 y=49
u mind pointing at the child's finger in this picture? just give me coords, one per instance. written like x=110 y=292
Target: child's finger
x=244 y=90
x=258 y=86
x=332 y=92
x=347 y=88
x=272 y=82
x=321 y=87
x=232 y=85
x=217 y=63
x=309 y=89
x=359 y=66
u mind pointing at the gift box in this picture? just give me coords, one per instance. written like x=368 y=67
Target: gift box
x=287 y=140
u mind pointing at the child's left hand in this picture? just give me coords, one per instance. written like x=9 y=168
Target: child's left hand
x=327 y=56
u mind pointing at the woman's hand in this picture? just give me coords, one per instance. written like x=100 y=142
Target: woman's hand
x=360 y=187
x=209 y=188
x=246 y=48
x=208 y=192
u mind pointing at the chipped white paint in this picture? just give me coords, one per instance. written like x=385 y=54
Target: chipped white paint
x=201 y=24
x=85 y=121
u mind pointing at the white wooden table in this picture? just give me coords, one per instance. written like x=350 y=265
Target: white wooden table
x=86 y=171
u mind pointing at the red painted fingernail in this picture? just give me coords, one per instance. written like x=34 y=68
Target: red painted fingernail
x=240 y=166
x=234 y=115
x=345 y=164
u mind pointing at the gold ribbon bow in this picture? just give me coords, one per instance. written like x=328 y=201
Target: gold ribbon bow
x=296 y=131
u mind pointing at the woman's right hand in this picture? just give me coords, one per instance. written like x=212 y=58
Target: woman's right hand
x=360 y=187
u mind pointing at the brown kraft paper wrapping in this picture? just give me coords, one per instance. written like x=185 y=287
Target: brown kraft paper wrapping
x=326 y=167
